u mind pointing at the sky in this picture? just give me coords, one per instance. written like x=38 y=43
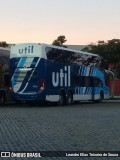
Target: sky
x=42 y=21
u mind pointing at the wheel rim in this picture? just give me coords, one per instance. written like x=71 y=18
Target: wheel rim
x=61 y=99
x=69 y=99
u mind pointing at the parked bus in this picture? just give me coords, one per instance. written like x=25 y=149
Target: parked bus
x=42 y=72
x=4 y=75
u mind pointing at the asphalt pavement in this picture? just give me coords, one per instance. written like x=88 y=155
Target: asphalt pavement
x=80 y=127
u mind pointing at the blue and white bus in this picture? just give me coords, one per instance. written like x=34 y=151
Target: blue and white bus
x=41 y=72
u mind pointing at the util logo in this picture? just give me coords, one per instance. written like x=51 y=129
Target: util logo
x=61 y=78
x=27 y=49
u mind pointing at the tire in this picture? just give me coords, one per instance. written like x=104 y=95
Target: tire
x=69 y=98
x=18 y=102
x=61 y=99
x=100 y=98
x=2 y=98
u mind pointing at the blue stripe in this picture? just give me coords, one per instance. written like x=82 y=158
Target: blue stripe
x=34 y=62
x=16 y=75
x=91 y=90
x=79 y=90
x=82 y=90
x=85 y=71
x=82 y=71
x=87 y=90
x=22 y=62
x=79 y=71
x=92 y=72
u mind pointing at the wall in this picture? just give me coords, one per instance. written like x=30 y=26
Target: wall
x=116 y=88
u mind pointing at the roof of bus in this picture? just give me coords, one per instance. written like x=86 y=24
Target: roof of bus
x=59 y=47
x=72 y=50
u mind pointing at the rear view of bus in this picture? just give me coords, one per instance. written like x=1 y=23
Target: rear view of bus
x=27 y=80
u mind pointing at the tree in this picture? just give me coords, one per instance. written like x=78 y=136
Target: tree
x=3 y=44
x=110 y=51
x=60 y=41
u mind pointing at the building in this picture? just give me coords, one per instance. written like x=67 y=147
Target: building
x=76 y=47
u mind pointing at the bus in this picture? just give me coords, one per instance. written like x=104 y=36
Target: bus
x=42 y=72
x=4 y=76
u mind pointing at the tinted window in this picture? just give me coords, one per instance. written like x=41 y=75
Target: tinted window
x=69 y=57
x=86 y=81
x=97 y=82
x=59 y=55
x=83 y=81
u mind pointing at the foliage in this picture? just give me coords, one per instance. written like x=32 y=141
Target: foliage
x=110 y=51
x=60 y=41
x=3 y=44
x=118 y=72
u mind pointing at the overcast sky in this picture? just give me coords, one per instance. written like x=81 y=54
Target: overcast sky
x=42 y=21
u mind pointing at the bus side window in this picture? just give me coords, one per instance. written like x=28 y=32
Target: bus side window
x=75 y=81
x=97 y=82
x=82 y=81
x=87 y=81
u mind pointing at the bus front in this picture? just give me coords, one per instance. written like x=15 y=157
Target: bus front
x=27 y=65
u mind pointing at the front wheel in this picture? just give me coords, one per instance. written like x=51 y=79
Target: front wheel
x=61 y=99
x=100 y=98
x=69 y=98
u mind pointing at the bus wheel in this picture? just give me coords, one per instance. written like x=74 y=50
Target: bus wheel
x=61 y=99
x=100 y=98
x=2 y=98
x=69 y=98
x=18 y=102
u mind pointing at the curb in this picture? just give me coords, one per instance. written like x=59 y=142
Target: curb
x=112 y=101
